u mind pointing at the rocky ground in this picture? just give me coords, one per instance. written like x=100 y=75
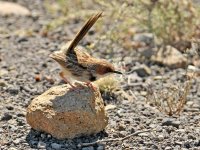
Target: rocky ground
x=26 y=71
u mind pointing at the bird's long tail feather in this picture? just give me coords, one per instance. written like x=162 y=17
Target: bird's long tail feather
x=82 y=32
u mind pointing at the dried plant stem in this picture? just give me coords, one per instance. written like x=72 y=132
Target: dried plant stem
x=112 y=140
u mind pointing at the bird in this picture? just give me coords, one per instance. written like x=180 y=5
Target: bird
x=79 y=66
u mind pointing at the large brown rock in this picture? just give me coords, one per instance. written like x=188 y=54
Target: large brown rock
x=67 y=114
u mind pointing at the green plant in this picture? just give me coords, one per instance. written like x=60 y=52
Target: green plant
x=107 y=84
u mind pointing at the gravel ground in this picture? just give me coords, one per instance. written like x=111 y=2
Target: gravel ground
x=24 y=56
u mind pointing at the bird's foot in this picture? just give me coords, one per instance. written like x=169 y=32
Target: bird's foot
x=89 y=84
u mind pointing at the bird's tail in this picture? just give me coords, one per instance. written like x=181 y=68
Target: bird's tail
x=82 y=32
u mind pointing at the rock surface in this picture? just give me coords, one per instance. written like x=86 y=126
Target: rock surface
x=170 y=57
x=68 y=113
x=9 y=8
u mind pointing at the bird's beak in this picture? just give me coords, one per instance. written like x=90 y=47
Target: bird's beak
x=117 y=72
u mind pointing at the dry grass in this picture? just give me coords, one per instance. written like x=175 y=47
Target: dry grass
x=171 y=21
x=169 y=99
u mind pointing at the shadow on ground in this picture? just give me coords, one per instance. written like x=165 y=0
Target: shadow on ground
x=41 y=140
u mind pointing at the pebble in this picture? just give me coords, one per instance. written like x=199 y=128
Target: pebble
x=56 y=146
x=6 y=117
x=168 y=148
x=160 y=137
x=43 y=136
x=41 y=145
x=144 y=37
x=181 y=130
x=2 y=73
x=33 y=143
x=170 y=122
x=120 y=112
x=110 y=107
x=48 y=136
x=22 y=39
x=12 y=148
x=13 y=90
x=122 y=134
x=10 y=107
x=88 y=148
x=178 y=143
x=122 y=127
x=143 y=71
x=144 y=134
x=16 y=141
x=3 y=83
x=100 y=147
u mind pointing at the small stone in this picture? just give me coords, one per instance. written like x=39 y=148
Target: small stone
x=170 y=57
x=181 y=130
x=148 y=53
x=12 y=148
x=110 y=107
x=128 y=59
x=190 y=103
x=100 y=147
x=122 y=134
x=170 y=122
x=43 y=136
x=56 y=146
x=122 y=127
x=20 y=114
x=143 y=71
x=3 y=83
x=178 y=143
x=6 y=117
x=16 y=141
x=120 y=112
x=10 y=107
x=33 y=143
x=13 y=90
x=144 y=37
x=168 y=148
x=115 y=135
x=9 y=8
x=3 y=72
x=187 y=144
x=153 y=125
x=1 y=130
x=22 y=39
x=88 y=148
x=41 y=145
x=144 y=134
x=160 y=137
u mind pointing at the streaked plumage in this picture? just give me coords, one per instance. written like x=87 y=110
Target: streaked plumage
x=78 y=64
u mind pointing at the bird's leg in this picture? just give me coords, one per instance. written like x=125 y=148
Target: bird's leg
x=63 y=77
x=89 y=84
x=67 y=81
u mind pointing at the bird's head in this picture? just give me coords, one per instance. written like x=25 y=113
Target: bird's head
x=103 y=69
x=59 y=57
